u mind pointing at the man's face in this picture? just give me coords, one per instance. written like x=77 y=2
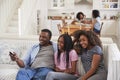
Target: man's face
x=44 y=39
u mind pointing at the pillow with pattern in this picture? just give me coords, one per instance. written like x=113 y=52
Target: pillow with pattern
x=5 y=48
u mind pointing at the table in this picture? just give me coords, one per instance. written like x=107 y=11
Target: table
x=71 y=28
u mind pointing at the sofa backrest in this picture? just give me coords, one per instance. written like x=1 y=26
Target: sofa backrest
x=106 y=40
x=113 y=62
x=19 y=46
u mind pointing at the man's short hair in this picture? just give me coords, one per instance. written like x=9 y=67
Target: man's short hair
x=48 y=31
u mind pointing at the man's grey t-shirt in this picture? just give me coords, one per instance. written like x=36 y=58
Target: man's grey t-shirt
x=44 y=58
x=87 y=57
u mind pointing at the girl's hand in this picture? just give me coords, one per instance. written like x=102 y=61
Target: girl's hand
x=67 y=71
x=82 y=78
x=57 y=69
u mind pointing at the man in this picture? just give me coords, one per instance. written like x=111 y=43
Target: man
x=39 y=60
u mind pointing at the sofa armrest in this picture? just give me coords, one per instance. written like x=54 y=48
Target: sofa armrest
x=114 y=62
x=106 y=40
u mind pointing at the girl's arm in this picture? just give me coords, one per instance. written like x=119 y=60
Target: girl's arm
x=93 y=23
x=72 y=70
x=56 y=64
x=94 y=66
x=74 y=58
x=58 y=70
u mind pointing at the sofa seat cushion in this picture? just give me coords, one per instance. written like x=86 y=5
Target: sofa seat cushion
x=8 y=74
x=8 y=66
x=8 y=71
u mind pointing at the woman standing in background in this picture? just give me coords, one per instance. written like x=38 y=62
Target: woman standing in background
x=96 y=21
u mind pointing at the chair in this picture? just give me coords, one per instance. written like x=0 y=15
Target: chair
x=59 y=28
x=101 y=28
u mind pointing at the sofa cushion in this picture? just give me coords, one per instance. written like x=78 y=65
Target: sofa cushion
x=5 y=47
x=8 y=74
x=19 y=46
x=8 y=66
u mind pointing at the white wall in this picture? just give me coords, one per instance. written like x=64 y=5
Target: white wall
x=28 y=16
x=26 y=13
x=109 y=28
x=85 y=8
x=7 y=9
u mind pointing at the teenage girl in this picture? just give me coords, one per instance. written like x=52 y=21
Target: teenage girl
x=65 y=60
x=91 y=56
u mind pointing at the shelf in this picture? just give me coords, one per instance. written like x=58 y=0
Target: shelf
x=56 y=4
x=110 y=9
x=109 y=0
x=110 y=5
x=110 y=20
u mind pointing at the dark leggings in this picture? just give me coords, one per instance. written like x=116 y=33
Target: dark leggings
x=96 y=31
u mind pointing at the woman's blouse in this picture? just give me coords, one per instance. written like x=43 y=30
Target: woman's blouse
x=87 y=57
x=97 y=25
x=62 y=64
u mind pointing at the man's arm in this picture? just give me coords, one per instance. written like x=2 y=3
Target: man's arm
x=14 y=57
